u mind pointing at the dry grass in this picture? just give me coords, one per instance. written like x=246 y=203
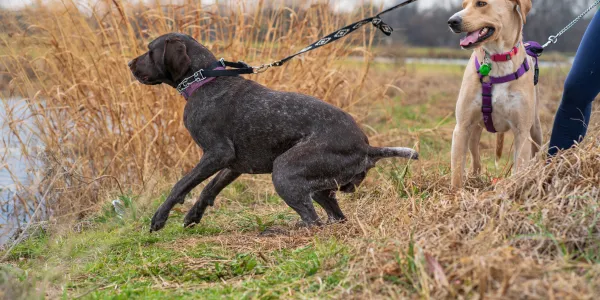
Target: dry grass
x=102 y=130
x=532 y=235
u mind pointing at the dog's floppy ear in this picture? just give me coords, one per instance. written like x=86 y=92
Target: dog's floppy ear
x=175 y=58
x=525 y=6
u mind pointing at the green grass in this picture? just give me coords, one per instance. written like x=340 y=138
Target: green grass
x=117 y=258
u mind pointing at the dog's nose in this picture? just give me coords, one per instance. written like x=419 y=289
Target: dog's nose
x=131 y=62
x=455 y=22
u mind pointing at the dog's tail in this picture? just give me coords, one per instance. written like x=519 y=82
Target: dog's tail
x=499 y=146
x=376 y=153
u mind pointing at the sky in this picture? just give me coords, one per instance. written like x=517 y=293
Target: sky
x=340 y=5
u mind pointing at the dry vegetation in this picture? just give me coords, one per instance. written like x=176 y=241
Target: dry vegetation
x=533 y=235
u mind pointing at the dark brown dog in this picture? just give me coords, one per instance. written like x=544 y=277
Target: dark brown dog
x=312 y=148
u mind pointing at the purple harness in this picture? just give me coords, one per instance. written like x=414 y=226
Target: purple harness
x=487 y=87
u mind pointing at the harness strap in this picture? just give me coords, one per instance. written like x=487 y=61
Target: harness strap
x=223 y=72
x=218 y=69
x=507 y=78
x=486 y=106
x=534 y=50
x=487 y=89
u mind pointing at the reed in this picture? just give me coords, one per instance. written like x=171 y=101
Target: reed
x=104 y=133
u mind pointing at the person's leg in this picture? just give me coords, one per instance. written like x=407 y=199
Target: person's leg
x=581 y=87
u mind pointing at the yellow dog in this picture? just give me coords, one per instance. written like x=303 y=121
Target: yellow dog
x=498 y=91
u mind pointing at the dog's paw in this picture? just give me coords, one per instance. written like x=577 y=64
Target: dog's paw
x=191 y=219
x=158 y=221
x=336 y=220
x=190 y=223
x=306 y=224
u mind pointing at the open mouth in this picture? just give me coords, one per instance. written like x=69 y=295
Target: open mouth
x=476 y=37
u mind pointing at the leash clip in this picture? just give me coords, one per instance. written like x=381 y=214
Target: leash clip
x=261 y=69
x=553 y=39
x=198 y=76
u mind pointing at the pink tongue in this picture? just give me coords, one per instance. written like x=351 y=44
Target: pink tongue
x=471 y=38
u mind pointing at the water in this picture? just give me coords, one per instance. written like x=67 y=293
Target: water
x=18 y=146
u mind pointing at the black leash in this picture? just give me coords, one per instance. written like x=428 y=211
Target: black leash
x=243 y=68
x=340 y=33
x=332 y=37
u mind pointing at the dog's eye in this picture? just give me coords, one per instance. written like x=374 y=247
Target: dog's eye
x=481 y=4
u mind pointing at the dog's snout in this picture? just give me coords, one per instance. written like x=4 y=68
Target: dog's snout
x=455 y=23
x=131 y=62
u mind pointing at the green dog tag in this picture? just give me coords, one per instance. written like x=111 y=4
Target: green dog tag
x=485 y=69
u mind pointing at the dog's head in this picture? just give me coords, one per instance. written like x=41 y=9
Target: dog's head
x=170 y=58
x=487 y=21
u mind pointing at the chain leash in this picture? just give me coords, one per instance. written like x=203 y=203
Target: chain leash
x=553 y=39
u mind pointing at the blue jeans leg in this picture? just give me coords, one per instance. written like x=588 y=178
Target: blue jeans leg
x=581 y=87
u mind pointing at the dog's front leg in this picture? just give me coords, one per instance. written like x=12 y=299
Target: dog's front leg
x=208 y=195
x=460 y=141
x=208 y=166
x=474 y=141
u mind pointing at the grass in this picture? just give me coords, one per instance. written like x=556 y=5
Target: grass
x=531 y=235
x=116 y=257
x=407 y=236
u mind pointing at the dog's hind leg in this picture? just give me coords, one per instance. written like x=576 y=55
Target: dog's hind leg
x=536 y=136
x=295 y=191
x=474 y=149
x=354 y=183
x=309 y=168
x=208 y=195
x=327 y=200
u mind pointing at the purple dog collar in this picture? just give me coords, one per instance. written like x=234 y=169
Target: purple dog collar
x=187 y=93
